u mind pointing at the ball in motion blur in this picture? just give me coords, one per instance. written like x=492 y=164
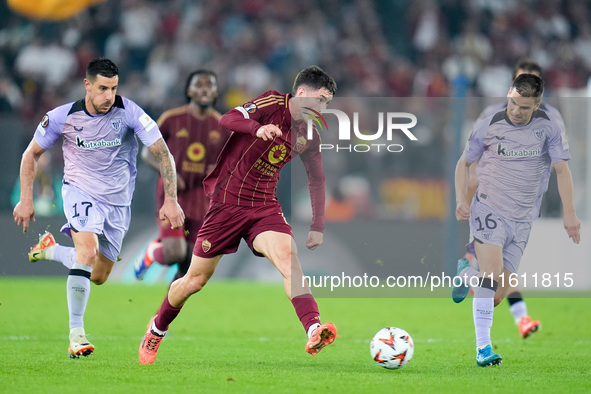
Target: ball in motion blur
x=392 y=348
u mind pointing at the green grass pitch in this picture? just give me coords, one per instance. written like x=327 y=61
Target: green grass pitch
x=245 y=337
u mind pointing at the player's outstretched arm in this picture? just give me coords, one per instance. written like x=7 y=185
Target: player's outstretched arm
x=572 y=225
x=170 y=210
x=461 y=185
x=23 y=211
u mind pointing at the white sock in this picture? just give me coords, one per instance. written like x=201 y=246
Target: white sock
x=76 y=332
x=518 y=310
x=78 y=291
x=64 y=254
x=157 y=331
x=467 y=273
x=482 y=312
x=312 y=328
x=48 y=252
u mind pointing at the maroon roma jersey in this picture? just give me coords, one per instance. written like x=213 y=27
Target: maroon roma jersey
x=195 y=144
x=248 y=168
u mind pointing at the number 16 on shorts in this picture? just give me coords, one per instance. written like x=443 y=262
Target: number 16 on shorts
x=486 y=226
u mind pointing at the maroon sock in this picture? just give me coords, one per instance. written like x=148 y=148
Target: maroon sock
x=166 y=315
x=306 y=309
x=159 y=255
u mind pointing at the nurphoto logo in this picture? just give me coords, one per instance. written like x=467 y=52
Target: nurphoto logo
x=394 y=122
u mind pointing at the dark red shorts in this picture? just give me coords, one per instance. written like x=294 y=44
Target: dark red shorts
x=188 y=231
x=226 y=224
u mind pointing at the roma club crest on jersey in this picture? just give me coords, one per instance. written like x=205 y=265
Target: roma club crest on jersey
x=300 y=144
x=214 y=136
x=205 y=245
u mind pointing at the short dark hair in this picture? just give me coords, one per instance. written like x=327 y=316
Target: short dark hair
x=101 y=66
x=529 y=66
x=198 y=72
x=529 y=85
x=316 y=78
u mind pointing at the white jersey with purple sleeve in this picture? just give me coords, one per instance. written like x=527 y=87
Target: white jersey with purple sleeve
x=100 y=151
x=514 y=161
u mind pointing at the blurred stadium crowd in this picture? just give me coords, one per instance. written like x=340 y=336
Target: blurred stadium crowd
x=373 y=48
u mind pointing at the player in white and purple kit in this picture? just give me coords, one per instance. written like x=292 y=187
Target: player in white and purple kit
x=100 y=149
x=514 y=149
x=517 y=305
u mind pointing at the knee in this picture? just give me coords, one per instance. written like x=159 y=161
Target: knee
x=285 y=255
x=287 y=262
x=174 y=255
x=194 y=284
x=100 y=273
x=493 y=273
x=86 y=256
x=174 y=250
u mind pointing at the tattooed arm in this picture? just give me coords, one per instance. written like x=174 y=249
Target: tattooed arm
x=170 y=210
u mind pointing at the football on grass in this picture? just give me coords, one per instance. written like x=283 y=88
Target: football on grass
x=392 y=348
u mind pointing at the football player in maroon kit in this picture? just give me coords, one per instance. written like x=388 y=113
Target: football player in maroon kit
x=195 y=138
x=268 y=132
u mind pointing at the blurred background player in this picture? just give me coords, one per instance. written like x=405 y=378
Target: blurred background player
x=515 y=149
x=195 y=138
x=517 y=305
x=100 y=150
x=268 y=132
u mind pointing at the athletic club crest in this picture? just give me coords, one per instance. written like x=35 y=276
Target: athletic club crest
x=205 y=245
x=540 y=133
x=487 y=235
x=117 y=124
x=82 y=221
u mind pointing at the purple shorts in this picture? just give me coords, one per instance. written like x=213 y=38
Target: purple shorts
x=489 y=228
x=226 y=224
x=85 y=214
